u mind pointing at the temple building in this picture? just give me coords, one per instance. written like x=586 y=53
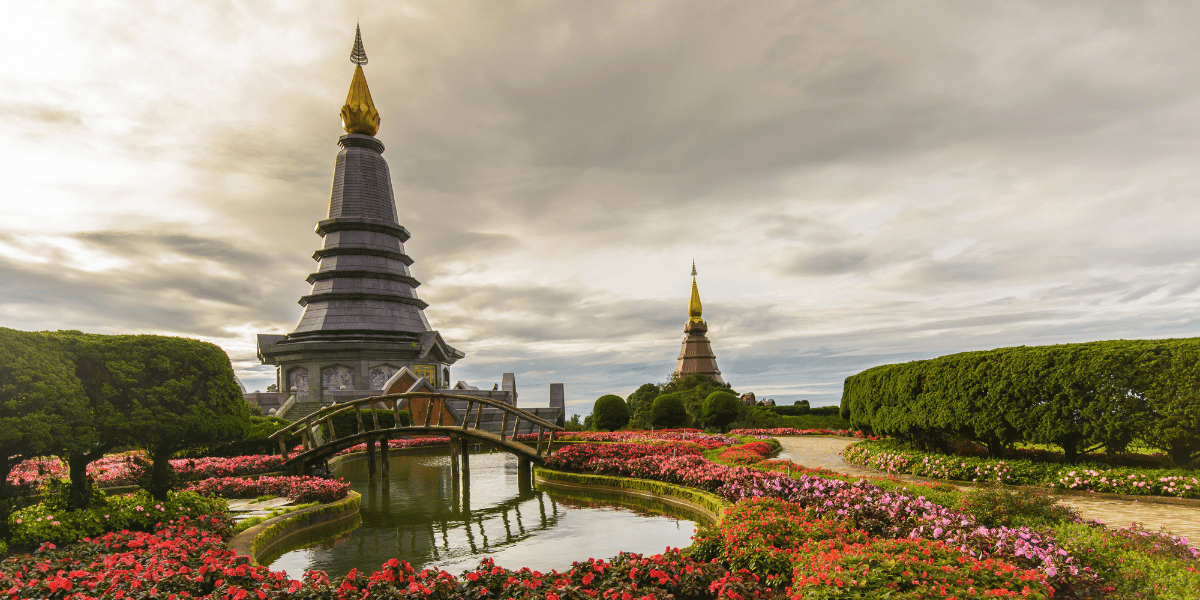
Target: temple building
x=363 y=322
x=696 y=356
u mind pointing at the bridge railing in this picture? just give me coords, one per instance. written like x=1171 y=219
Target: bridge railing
x=435 y=402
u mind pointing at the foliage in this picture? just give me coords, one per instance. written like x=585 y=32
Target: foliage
x=999 y=507
x=42 y=407
x=692 y=390
x=1133 y=563
x=640 y=402
x=889 y=457
x=769 y=417
x=163 y=394
x=668 y=411
x=139 y=511
x=573 y=424
x=1098 y=395
x=720 y=409
x=255 y=441
x=610 y=413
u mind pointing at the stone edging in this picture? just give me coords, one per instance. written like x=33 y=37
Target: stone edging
x=580 y=481
x=260 y=539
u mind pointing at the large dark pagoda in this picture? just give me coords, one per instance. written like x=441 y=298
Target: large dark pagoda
x=696 y=357
x=362 y=322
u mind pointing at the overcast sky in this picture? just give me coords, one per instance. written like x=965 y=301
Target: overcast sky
x=858 y=182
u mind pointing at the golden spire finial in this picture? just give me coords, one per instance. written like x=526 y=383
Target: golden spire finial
x=694 y=307
x=358 y=113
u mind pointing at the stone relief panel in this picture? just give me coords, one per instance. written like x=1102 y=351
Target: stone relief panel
x=379 y=375
x=336 y=378
x=298 y=380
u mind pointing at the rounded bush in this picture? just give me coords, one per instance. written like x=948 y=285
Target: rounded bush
x=720 y=409
x=668 y=412
x=610 y=413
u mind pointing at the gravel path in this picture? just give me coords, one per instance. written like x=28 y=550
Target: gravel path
x=826 y=452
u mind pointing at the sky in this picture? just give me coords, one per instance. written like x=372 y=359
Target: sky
x=859 y=183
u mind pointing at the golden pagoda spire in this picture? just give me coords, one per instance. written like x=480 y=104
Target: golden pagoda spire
x=694 y=307
x=358 y=113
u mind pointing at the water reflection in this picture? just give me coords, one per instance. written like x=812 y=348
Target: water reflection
x=422 y=515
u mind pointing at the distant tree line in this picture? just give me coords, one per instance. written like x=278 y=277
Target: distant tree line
x=77 y=396
x=1097 y=396
x=698 y=401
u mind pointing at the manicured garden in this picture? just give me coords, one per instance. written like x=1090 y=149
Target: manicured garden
x=787 y=532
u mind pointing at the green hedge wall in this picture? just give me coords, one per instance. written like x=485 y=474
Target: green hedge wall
x=1080 y=397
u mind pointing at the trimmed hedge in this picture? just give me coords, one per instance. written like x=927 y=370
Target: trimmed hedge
x=1081 y=397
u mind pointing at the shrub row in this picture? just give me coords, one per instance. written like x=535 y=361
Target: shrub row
x=1081 y=397
x=891 y=458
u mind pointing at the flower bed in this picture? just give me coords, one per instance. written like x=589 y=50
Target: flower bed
x=788 y=431
x=888 y=457
x=785 y=544
x=396 y=444
x=299 y=489
x=863 y=504
x=188 y=559
x=125 y=469
x=138 y=511
x=35 y=471
x=746 y=454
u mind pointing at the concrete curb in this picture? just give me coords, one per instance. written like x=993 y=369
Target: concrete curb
x=582 y=483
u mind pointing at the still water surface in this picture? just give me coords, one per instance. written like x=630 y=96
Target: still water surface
x=422 y=516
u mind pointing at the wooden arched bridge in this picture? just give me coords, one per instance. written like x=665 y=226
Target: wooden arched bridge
x=432 y=414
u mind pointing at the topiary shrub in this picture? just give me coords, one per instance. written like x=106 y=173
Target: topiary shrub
x=668 y=412
x=610 y=413
x=720 y=409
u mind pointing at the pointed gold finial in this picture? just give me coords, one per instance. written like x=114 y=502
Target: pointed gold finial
x=694 y=307
x=358 y=113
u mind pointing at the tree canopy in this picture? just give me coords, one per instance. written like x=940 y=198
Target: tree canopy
x=721 y=408
x=610 y=413
x=668 y=412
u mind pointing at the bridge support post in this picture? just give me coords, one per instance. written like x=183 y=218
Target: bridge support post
x=464 y=451
x=454 y=474
x=383 y=457
x=524 y=473
x=370 y=459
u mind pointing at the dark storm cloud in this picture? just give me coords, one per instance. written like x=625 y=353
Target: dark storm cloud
x=173 y=282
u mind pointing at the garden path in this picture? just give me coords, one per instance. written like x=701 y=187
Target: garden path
x=826 y=452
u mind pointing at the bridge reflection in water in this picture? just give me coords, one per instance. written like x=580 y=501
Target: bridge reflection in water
x=423 y=515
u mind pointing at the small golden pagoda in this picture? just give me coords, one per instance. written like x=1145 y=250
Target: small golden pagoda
x=696 y=356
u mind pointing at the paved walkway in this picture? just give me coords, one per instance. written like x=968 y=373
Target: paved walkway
x=826 y=452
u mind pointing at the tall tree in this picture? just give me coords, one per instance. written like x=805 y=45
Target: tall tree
x=42 y=404
x=163 y=394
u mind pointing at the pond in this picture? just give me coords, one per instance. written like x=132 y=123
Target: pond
x=422 y=516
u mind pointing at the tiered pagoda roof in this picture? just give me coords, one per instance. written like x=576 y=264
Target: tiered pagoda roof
x=696 y=356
